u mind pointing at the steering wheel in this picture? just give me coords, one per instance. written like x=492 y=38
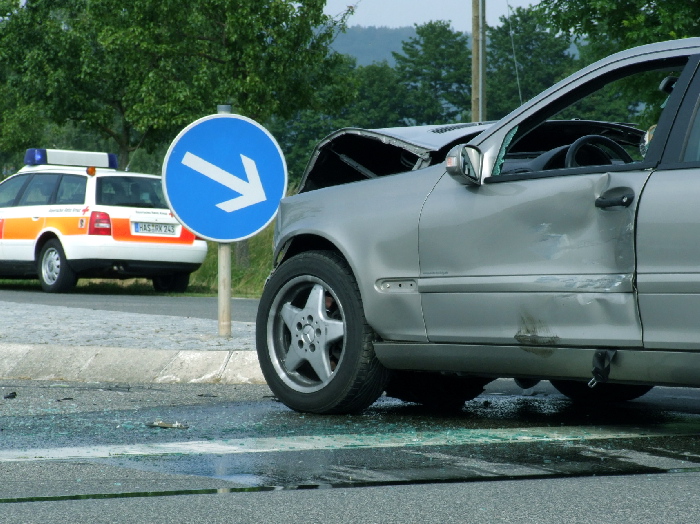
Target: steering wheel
x=616 y=148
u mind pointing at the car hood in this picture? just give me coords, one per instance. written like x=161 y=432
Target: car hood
x=354 y=154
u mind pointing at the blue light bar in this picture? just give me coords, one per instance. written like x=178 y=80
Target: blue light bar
x=62 y=157
x=35 y=157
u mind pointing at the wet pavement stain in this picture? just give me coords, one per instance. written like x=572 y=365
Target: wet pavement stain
x=260 y=444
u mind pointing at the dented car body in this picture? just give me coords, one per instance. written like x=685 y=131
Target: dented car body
x=426 y=261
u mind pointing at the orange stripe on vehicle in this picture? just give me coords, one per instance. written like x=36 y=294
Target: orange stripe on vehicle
x=75 y=225
x=22 y=228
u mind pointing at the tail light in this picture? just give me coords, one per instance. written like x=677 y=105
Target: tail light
x=100 y=224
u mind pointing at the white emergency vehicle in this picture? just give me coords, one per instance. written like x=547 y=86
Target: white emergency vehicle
x=72 y=214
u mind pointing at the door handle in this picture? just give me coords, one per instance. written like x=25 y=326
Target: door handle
x=618 y=200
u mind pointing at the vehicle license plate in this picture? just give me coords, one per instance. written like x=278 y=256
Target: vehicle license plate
x=154 y=229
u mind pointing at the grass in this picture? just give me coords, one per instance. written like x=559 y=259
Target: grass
x=246 y=282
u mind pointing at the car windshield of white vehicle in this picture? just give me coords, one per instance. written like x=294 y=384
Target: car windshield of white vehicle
x=130 y=191
x=608 y=121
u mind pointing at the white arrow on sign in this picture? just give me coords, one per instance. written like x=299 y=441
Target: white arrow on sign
x=252 y=192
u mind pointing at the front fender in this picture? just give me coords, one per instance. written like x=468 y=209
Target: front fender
x=373 y=224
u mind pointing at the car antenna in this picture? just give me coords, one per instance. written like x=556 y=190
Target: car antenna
x=512 y=43
x=137 y=148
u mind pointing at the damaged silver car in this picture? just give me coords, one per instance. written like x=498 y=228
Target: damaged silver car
x=425 y=262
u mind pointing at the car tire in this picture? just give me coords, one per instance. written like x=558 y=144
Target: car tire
x=601 y=393
x=55 y=275
x=173 y=283
x=314 y=345
x=435 y=390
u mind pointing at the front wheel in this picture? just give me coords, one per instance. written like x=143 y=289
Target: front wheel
x=601 y=393
x=55 y=275
x=314 y=344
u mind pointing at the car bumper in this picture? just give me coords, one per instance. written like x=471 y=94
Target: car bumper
x=96 y=268
x=80 y=251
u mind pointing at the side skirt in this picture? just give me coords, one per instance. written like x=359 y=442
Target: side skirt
x=634 y=366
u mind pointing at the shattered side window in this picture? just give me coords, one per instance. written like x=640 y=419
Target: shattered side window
x=502 y=151
x=692 y=146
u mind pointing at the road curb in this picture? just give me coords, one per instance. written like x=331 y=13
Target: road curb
x=116 y=364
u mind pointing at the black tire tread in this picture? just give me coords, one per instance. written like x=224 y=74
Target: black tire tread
x=370 y=376
x=67 y=277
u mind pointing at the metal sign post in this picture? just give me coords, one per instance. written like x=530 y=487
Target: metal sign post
x=224 y=292
x=223 y=177
x=224 y=254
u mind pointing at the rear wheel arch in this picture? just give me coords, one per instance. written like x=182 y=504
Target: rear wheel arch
x=42 y=240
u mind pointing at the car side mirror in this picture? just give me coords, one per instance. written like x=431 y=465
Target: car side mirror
x=463 y=163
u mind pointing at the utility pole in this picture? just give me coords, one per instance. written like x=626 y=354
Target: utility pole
x=478 y=60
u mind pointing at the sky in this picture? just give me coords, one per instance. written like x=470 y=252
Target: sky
x=401 y=13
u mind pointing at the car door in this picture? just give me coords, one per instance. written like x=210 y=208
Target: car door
x=539 y=258
x=25 y=220
x=10 y=190
x=533 y=261
x=669 y=238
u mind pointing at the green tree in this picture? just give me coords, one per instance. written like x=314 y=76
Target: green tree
x=298 y=134
x=524 y=57
x=435 y=67
x=378 y=100
x=138 y=72
x=619 y=101
x=614 y=26
x=607 y=27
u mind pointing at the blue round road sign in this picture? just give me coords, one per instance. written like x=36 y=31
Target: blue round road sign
x=224 y=176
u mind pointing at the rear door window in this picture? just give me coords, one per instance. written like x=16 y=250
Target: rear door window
x=71 y=190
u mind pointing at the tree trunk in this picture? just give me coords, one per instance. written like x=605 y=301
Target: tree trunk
x=123 y=157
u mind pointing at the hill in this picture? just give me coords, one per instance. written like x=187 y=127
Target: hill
x=372 y=44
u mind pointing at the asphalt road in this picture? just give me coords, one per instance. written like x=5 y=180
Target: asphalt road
x=208 y=452
x=242 y=309
x=89 y=453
